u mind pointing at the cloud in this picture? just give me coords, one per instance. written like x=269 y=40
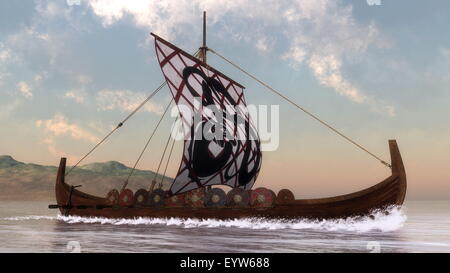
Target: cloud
x=7 y=109
x=54 y=150
x=124 y=101
x=149 y=14
x=40 y=39
x=25 y=89
x=6 y=57
x=59 y=126
x=262 y=45
x=373 y=2
x=76 y=95
x=38 y=77
x=5 y=53
x=165 y=17
x=51 y=146
x=3 y=76
x=321 y=34
x=325 y=36
x=327 y=70
x=84 y=79
x=98 y=126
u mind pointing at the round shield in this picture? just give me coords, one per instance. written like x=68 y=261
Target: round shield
x=195 y=198
x=141 y=197
x=176 y=200
x=156 y=198
x=215 y=198
x=274 y=197
x=126 y=198
x=262 y=198
x=112 y=198
x=285 y=196
x=238 y=197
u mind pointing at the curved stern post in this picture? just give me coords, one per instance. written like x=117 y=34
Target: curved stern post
x=398 y=170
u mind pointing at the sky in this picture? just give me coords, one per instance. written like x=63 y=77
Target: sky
x=376 y=70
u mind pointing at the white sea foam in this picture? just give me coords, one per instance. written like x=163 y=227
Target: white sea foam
x=386 y=220
x=29 y=217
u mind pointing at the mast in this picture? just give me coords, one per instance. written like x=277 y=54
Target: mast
x=203 y=48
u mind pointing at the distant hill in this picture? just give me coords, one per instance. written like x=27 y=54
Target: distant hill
x=6 y=161
x=21 y=181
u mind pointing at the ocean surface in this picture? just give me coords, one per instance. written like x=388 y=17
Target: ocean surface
x=419 y=226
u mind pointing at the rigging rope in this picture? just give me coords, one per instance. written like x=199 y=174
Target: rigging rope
x=146 y=145
x=301 y=108
x=118 y=126
x=167 y=163
x=162 y=157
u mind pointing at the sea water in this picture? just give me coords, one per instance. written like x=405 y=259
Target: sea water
x=419 y=226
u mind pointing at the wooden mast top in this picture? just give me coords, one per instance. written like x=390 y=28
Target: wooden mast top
x=203 y=48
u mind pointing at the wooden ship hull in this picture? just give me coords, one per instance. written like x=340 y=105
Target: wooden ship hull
x=389 y=192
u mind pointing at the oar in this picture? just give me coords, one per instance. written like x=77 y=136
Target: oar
x=55 y=206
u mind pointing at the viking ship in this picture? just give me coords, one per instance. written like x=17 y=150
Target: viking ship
x=232 y=157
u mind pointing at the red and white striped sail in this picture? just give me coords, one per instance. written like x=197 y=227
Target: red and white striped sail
x=232 y=160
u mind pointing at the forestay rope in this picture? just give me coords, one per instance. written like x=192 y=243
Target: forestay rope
x=118 y=126
x=301 y=108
